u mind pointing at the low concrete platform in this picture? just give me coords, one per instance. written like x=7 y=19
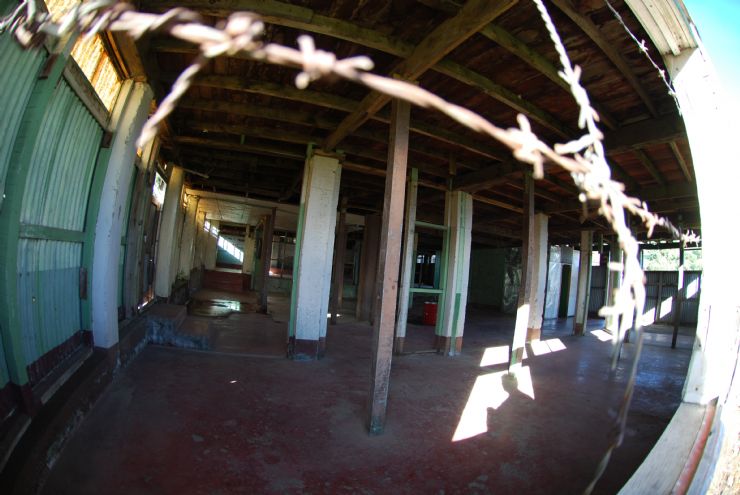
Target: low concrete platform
x=179 y=421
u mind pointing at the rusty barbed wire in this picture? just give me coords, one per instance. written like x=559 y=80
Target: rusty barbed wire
x=642 y=45
x=584 y=158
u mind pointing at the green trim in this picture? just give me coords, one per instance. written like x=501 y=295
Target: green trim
x=420 y=290
x=455 y=317
x=17 y=176
x=43 y=232
x=443 y=282
x=428 y=225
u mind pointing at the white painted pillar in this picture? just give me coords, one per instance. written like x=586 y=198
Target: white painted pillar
x=459 y=221
x=211 y=246
x=312 y=269
x=584 y=282
x=539 y=278
x=189 y=236
x=711 y=135
x=407 y=260
x=167 y=262
x=128 y=118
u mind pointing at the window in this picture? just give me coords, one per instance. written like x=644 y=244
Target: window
x=92 y=57
x=158 y=192
x=282 y=255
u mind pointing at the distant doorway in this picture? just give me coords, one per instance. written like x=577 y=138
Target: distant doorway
x=564 y=292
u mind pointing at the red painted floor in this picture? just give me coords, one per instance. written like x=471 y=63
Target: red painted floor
x=181 y=422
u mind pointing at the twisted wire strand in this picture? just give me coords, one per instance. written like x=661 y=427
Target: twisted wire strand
x=584 y=158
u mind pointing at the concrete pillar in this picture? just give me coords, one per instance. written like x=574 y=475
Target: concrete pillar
x=189 y=235
x=368 y=268
x=525 y=287
x=167 y=246
x=129 y=116
x=211 y=246
x=539 y=278
x=459 y=221
x=200 y=240
x=711 y=130
x=317 y=217
x=584 y=282
x=407 y=260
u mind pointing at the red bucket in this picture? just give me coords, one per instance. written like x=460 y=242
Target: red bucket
x=430 y=313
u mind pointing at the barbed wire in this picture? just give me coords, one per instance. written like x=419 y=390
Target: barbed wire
x=584 y=158
x=642 y=45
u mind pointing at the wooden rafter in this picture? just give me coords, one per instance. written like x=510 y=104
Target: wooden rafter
x=609 y=49
x=442 y=40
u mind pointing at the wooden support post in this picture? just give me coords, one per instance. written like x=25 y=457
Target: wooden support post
x=679 y=296
x=269 y=226
x=613 y=284
x=584 y=283
x=658 y=298
x=525 y=288
x=388 y=265
x=340 y=247
x=409 y=241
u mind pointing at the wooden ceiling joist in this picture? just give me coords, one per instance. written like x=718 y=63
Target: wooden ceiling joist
x=609 y=49
x=442 y=40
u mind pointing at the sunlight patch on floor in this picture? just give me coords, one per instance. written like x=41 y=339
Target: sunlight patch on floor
x=490 y=391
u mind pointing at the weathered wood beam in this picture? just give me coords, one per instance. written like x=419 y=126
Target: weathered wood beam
x=388 y=266
x=328 y=100
x=311 y=119
x=442 y=40
x=650 y=166
x=540 y=63
x=646 y=194
x=609 y=48
x=486 y=177
x=659 y=130
x=270 y=150
x=681 y=161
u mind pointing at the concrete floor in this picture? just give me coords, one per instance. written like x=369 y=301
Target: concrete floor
x=178 y=421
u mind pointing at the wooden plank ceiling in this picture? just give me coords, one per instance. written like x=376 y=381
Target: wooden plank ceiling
x=246 y=126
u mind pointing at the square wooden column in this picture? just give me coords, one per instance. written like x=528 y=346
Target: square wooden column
x=388 y=265
x=525 y=287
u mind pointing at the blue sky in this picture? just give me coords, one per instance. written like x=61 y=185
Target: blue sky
x=718 y=22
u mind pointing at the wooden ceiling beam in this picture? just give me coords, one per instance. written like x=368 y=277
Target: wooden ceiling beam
x=650 y=166
x=672 y=191
x=443 y=39
x=327 y=100
x=609 y=49
x=647 y=132
x=263 y=149
x=681 y=161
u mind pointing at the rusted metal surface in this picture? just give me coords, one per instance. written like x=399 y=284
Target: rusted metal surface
x=388 y=265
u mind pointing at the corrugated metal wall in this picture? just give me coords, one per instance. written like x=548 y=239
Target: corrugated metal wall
x=15 y=90
x=598 y=288
x=662 y=287
x=48 y=278
x=62 y=164
x=56 y=195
